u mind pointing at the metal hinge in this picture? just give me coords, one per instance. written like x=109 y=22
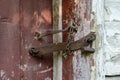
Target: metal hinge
x=84 y=44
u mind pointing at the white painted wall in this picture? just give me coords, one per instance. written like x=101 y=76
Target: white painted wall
x=107 y=27
x=98 y=16
x=112 y=37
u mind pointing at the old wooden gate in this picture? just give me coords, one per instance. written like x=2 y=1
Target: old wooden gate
x=20 y=19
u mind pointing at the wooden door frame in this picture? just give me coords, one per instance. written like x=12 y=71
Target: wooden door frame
x=98 y=16
x=57 y=25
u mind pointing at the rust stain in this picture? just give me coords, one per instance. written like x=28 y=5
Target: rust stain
x=80 y=13
x=67 y=16
x=36 y=15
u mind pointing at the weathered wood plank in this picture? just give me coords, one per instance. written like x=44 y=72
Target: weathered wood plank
x=57 y=25
x=67 y=7
x=98 y=16
x=78 y=66
x=82 y=64
x=36 y=15
x=9 y=40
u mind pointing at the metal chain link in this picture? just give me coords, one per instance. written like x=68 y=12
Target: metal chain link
x=72 y=30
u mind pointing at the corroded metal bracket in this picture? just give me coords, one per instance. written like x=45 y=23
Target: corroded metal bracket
x=84 y=44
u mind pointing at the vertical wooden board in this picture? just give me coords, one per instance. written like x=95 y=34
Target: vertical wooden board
x=57 y=38
x=77 y=66
x=36 y=15
x=82 y=62
x=67 y=18
x=99 y=55
x=9 y=40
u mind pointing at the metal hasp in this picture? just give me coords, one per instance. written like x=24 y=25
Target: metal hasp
x=84 y=44
x=39 y=35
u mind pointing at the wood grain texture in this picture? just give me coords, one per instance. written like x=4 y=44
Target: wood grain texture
x=9 y=40
x=99 y=56
x=82 y=63
x=67 y=15
x=57 y=25
x=78 y=66
x=19 y=19
x=36 y=15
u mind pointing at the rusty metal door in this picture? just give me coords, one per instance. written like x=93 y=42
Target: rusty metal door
x=20 y=19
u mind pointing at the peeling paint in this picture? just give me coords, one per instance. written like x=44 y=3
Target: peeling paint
x=48 y=78
x=23 y=67
x=17 y=38
x=82 y=64
x=12 y=74
x=46 y=70
x=57 y=25
x=98 y=72
x=3 y=75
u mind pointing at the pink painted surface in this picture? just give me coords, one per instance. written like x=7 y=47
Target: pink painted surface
x=36 y=15
x=9 y=40
x=19 y=19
